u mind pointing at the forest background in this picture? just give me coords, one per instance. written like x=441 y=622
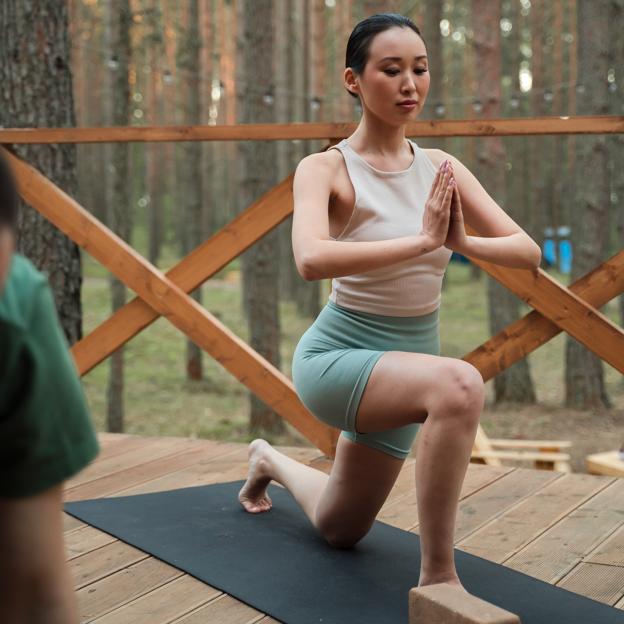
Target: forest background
x=164 y=62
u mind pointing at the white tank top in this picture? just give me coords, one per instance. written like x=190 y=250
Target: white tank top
x=390 y=204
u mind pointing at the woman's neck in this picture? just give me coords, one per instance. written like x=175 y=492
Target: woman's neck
x=379 y=139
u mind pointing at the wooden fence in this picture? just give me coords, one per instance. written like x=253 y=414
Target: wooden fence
x=556 y=308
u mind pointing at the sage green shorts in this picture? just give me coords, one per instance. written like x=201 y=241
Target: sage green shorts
x=334 y=359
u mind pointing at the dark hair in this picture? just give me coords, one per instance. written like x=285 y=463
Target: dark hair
x=8 y=195
x=365 y=31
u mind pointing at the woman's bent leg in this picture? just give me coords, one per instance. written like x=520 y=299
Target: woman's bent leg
x=442 y=456
x=343 y=505
x=447 y=395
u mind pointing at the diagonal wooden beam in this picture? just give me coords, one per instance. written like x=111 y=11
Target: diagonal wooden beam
x=203 y=262
x=270 y=210
x=525 y=335
x=564 y=308
x=259 y=375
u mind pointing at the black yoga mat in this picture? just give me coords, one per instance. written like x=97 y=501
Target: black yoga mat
x=277 y=563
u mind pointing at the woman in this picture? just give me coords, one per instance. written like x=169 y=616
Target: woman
x=381 y=216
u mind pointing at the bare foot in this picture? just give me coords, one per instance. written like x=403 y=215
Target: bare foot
x=253 y=496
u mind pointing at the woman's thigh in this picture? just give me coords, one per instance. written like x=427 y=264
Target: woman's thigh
x=403 y=387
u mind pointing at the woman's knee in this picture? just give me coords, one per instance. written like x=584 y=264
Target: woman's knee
x=462 y=389
x=342 y=539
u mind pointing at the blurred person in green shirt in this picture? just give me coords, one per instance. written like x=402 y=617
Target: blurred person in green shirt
x=46 y=435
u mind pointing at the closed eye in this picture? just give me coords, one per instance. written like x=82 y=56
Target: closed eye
x=392 y=72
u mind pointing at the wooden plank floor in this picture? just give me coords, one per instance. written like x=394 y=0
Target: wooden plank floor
x=565 y=529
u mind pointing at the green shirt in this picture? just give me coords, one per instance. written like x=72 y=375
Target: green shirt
x=46 y=434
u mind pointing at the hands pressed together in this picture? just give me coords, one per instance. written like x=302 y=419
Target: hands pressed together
x=443 y=221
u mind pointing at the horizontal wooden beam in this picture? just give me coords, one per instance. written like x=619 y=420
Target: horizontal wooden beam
x=521 y=455
x=541 y=445
x=259 y=375
x=594 y=124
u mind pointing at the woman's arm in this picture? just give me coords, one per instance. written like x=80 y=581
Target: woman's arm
x=337 y=258
x=317 y=256
x=511 y=251
x=501 y=240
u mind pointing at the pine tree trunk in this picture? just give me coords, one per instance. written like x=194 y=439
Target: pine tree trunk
x=469 y=70
x=584 y=371
x=256 y=176
x=536 y=221
x=287 y=111
x=307 y=294
x=433 y=39
x=616 y=141
x=119 y=20
x=37 y=92
x=189 y=173
x=557 y=166
x=513 y=384
x=153 y=151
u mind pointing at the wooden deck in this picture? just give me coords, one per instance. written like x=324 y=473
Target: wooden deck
x=565 y=529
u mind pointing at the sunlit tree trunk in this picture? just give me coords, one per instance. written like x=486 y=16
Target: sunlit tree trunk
x=513 y=384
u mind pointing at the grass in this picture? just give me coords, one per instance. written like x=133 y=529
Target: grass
x=160 y=401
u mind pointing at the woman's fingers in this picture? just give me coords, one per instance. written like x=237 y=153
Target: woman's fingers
x=436 y=183
x=448 y=194
x=446 y=188
x=442 y=184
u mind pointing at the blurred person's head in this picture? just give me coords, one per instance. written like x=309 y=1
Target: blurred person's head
x=8 y=218
x=386 y=63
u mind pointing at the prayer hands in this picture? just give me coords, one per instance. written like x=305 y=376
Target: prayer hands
x=456 y=238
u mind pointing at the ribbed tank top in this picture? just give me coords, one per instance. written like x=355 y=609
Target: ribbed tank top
x=390 y=204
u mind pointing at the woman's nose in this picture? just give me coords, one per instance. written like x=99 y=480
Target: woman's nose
x=409 y=84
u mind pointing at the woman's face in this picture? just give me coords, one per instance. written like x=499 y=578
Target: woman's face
x=396 y=70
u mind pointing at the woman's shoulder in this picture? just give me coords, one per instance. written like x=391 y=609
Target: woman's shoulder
x=436 y=156
x=319 y=165
x=321 y=160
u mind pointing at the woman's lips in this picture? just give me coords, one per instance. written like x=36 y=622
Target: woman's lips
x=408 y=106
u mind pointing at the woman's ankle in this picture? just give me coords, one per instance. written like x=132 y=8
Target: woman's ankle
x=434 y=577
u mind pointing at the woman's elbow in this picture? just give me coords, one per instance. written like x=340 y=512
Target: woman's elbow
x=535 y=256
x=306 y=269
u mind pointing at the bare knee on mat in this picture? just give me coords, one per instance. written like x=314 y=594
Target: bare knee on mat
x=359 y=483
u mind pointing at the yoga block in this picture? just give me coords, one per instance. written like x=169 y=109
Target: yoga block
x=448 y=604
